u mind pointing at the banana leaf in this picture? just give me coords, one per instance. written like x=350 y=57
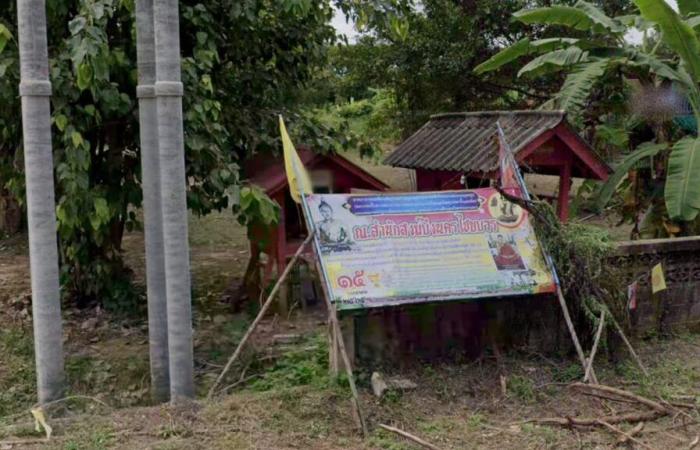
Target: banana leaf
x=676 y=33
x=682 y=191
x=607 y=189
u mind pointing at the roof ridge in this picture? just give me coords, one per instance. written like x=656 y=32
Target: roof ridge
x=519 y=112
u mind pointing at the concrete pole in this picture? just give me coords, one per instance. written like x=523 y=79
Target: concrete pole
x=153 y=216
x=35 y=90
x=169 y=92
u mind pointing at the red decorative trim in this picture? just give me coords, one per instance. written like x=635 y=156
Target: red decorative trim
x=578 y=146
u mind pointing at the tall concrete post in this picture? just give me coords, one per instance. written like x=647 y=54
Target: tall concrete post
x=35 y=90
x=152 y=211
x=169 y=92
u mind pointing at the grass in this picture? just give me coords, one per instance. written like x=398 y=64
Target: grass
x=17 y=373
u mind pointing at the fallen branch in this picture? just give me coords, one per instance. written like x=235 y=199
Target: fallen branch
x=11 y=443
x=636 y=430
x=694 y=443
x=239 y=382
x=622 y=433
x=624 y=394
x=260 y=316
x=409 y=436
x=590 y=422
x=73 y=397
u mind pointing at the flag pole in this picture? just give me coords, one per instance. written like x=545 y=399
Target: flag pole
x=337 y=335
x=548 y=259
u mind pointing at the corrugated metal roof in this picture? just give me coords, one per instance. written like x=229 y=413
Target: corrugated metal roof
x=467 y=141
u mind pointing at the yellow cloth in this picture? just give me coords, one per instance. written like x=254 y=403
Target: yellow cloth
x=294 y=167
x=658 y=282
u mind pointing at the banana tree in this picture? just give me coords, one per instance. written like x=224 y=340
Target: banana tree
x=604 y=49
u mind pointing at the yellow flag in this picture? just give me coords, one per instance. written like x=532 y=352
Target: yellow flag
x=294 y=167
x=658 y=282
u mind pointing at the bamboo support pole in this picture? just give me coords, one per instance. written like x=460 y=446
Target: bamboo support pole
x=591 y=358
x=574 y=336
x=260 y=316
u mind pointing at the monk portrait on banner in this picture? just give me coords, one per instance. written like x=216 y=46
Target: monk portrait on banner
x=505 y=254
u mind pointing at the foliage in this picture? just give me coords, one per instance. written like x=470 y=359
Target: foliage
x=298 y=367
x=604 y=53
x=256 y=211
x=682 y=188
x=372 y=117
x=580 y=255
x=242 y=65
x=522 y=388
x=607 y=189
x=601 y=49
x=406 y=53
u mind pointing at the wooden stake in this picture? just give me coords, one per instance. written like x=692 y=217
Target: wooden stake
x=337 y=339
x=260 y=316
x=598 y=334
x=574 y=336
x=413 y=438
x=629 y=347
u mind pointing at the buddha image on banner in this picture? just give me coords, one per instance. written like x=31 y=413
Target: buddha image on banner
x=389 y=249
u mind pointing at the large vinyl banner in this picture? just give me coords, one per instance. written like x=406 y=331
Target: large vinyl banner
x=389 y=249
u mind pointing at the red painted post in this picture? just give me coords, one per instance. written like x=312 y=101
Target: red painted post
x=281 y=237
x=564 y=188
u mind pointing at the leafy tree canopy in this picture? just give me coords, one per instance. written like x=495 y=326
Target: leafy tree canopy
x=243 y=61
x=425 y=52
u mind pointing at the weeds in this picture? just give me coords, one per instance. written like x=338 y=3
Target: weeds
x=17 y=372
x=522 y=388
x=298 y=368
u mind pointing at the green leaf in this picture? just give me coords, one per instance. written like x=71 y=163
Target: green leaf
x=521 y=48
x=676 y=33
x=655 y=65
x=599 y=17
x=61 y=121
x=616 y=136
x=583 y=16
x=682 y=190
x=688 y=7
x=554 y=60
x=515 y=51
x=5 y=37
x=76 y=25
x=76 y=139
x=101 y=208
x=84 y=76
x=579 y=83
x=607 y=189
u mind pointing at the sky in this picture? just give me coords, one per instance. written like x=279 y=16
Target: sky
x=344 y=27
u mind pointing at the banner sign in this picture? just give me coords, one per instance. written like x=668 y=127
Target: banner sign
x=389 y=249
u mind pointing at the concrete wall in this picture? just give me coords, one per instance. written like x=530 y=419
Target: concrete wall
x=679 y=305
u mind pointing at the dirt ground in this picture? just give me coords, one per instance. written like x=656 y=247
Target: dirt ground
x=281 y=397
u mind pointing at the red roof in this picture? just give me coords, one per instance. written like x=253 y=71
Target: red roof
x=268 y=170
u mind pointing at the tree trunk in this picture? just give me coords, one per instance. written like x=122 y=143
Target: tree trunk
x=173 y=188
x=10 y=214
x=35 y=90
x=153 y=218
